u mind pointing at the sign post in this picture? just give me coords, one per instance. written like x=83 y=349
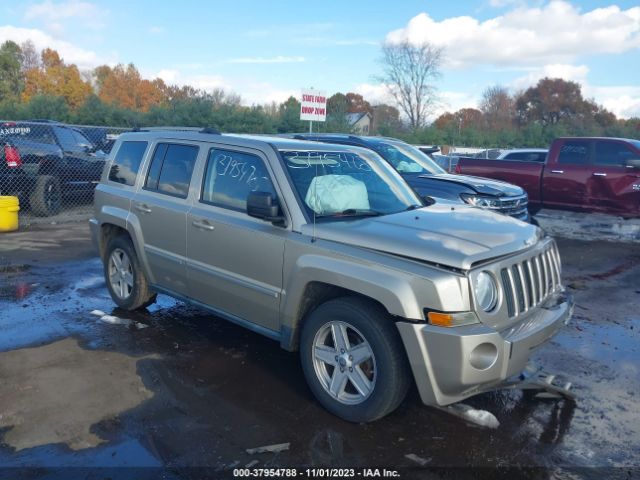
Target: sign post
x=313 y=107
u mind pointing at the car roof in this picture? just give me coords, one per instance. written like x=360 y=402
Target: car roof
x=246 y=140
x=363 y=139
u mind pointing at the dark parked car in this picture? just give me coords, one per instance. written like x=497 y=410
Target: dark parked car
x=428 y=179
x=40 y=162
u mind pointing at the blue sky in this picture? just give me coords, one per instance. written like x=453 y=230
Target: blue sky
x=265 y=51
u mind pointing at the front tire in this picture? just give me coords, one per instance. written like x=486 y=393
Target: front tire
x=125 y=279
x=353 y=359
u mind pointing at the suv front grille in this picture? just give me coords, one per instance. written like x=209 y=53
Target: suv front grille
x=514 y=206
x=528 y=283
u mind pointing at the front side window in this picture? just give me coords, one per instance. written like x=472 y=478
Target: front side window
x=171 y=169
x=406 y=158
x=345 y=184
x=613 y=154
x=576 y=152
x=230 y=177
x=127 y=162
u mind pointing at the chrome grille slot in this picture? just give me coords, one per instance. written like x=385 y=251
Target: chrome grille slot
x=528 y=283
x=519 y=291
x=508 y=292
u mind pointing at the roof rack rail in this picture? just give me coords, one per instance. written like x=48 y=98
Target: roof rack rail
x=209 y=130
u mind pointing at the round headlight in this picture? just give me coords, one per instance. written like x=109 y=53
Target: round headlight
x=486 y=291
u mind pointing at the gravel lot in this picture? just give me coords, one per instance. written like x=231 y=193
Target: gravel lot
x=89 y=391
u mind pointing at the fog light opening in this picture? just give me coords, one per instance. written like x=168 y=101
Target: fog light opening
x=484 y=356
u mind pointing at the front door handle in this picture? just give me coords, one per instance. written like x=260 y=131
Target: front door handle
x=557 y=171
x=203 y=224
x=598 y=174
x=142 y=207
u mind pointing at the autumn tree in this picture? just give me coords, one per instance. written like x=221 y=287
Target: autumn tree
x=386 y=120
x=357 y=104
x=11 y=82
x=55 y=78
x=498 y=108
x=123 y=86
x=408 y=73
x=550 y=101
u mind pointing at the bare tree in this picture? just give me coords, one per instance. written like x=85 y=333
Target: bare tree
x=498 y=107
x=30 y=56
x=409 y=72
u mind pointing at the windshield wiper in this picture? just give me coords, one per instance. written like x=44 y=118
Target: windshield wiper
x=352 y=212
x=413 y=207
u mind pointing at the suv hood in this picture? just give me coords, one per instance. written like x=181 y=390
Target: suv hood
x=453 y=236
x=484 y=186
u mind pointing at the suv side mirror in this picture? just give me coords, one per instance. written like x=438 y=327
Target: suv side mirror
x=265 y=206
x=634 y=163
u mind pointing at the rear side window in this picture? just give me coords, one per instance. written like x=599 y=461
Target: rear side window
x=575 y=152
x=526 y=156
x=171 y=169
x=614 y=154
x=127 y=162
x=231 y=176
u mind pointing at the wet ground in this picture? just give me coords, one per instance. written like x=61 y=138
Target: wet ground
x=90 y=391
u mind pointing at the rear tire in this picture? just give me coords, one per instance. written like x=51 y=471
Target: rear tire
x=123 y=274
x=46 y=198
x=354 y=360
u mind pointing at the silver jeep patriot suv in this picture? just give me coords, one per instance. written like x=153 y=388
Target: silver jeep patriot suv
x=325 y=249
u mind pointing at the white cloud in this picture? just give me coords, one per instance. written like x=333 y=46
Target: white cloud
x=555 y=33
x=53 y=14
x=155 y=29
x=623 y=101
x=264 y=93
x=448 y=102
x=374 y=93
x=277 y=59
x=168 y=76
x=574 y=73
x=85 y=59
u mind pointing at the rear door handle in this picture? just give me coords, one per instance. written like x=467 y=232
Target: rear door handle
x=557 y=171
x=141 y=207
x=203 y=224
x=598 y=174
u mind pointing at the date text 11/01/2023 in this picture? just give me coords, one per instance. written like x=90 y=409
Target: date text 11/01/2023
x=316 y=473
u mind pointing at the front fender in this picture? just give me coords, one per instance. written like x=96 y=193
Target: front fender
x=402 y=293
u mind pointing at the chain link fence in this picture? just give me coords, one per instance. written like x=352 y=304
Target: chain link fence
x=52 y=167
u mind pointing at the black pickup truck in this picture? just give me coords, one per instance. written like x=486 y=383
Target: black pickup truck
x=42 y=162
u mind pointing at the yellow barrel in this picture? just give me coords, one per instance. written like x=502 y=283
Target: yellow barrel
x=9 y=208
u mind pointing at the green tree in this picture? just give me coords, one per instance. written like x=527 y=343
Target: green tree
x=51 y=107
x=11 y=79
x=337 y=109
x=290 y=117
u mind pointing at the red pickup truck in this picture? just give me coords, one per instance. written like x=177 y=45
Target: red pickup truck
x=590 y=174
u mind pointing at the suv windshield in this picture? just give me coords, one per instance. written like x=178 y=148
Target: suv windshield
x=407 y=159
x=346 y=184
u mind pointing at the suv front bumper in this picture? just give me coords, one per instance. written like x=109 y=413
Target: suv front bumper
x=451 y=364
